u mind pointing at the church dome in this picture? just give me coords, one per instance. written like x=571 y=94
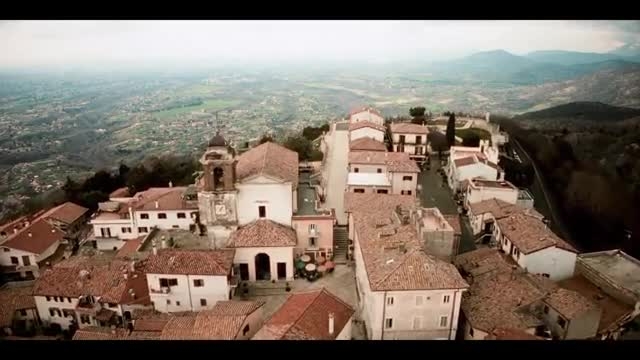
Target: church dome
x=217 y=140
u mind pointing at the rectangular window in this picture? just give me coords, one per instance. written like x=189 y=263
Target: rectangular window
x=407 y=178
x=312 y=242
x=359 y=191
x=67 y=313
x=198 y=283
x=182 y=216
x=418 y=140
x=168 y=302
x=48 y=298
x=175 y=226
x=143 y=230
x=14 y=260
x=388 y=323
x=144 y=216
x=85 y=319
x=418 y=300
x=417 y=323
x=444 y=321
x=173 y=282
x=402 y=139
x=379 y=171
x=313 y=227
x=356 y=170
x=383 y=191
x=162 y=216
x=177 y=303
x=262 y=211
x=390 y=301
x=26 y=261
x=408 y=192
x=203 y=302
x=6 y=249
x=69 y=300
x=55 y=298
x=52 y=312
x=445 y=299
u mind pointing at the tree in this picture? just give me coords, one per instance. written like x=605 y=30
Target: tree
x=472 y=139
x=301 y=145
x=417 y=111
x=266 y=138
x=451 y=130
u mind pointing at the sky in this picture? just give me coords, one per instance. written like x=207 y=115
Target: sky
x=50 y=43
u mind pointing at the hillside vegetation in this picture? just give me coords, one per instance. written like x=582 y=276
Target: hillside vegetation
x=592 y=170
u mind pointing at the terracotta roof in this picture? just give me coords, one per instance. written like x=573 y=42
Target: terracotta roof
x=147 y=325
x=569 y=304
x=269 y=159
x=530 y=234
x=395 y=161
x=454 y=221
x=84 y=276
x=305 y=316
x=500 y=209
x=510 y=334
x=376 y=202
x=473 y=160
x=129 y=248
x=613 y=311
x=367 y=144
x=43 y=236
x=190 y=262
x=263 y=233
x=394 y=258
x=169 y=198
x=67 y=212
x=99 y=333
x=223 y=322
x=501 y=299
x=408 y=128
x=13 y=299
x=120 y=193
x=481 y=261
x=362 y=124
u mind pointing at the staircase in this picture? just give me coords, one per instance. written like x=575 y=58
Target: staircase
x=341 y=244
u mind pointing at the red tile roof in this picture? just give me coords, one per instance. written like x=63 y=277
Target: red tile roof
x=376 y=202
x=120 y=193
x=367 y=143
x=130 y=247
x=99 y=333
x=530 y=234
x=13 y=299
x=500 y=209
x=362 y=124
x=454 y=221
x=408 y=128
x=570 y=304
x=395 y=161
x=190 y=262
x=169 y=198
x=363 y=109
x=263 y=233
x=269 y=159
x=67 y=213
x=43 y=236
x=510 y=334
x=305 y=316
x=86 y=276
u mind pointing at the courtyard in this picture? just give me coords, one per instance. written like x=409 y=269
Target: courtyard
x=341 y=282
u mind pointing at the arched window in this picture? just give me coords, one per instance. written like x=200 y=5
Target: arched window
x=217 y=178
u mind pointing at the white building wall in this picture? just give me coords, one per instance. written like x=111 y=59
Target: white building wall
x=261 y=191
x=43 y=307
x=276 y=255
x=109 y=244
x=5 y=256
x=367 y=132
x=215 y=289
x=477 y=333
x=369 y=189
x=558 y=263
x=398 y=184
x=369 y=303
x=165 y=224
x=485 y=193
x=115 y=228
x=477 y=221
x=254 y=321
x=346 y=333
x=367 y=168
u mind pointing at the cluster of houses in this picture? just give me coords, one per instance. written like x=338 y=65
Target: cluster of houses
x=168 y=263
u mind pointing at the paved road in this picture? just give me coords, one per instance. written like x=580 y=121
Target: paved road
x=336 y=171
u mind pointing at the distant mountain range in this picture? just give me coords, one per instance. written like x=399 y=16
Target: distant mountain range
x=502 y=67
x=582 y=111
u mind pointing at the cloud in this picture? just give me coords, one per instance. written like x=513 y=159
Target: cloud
x=31 y=43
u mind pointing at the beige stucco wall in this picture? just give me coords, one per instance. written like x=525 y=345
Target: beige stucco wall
x=276 y=255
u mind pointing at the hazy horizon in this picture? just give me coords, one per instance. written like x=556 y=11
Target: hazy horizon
x=43 y=44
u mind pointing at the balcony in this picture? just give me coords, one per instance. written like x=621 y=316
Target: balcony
x=86 y=305
x=161 y=291
x=314 y=232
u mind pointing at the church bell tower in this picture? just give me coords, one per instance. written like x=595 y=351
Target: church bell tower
x=217 y=195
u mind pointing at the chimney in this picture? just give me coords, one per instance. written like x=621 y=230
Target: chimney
x=133 y=266
x=30 y=234
x=164 y=243
x=125 y=275
x=157 y=205
x=155 y=250
x=113 y=329
x=15 y=230
x=170 y=184
x=331 y=323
